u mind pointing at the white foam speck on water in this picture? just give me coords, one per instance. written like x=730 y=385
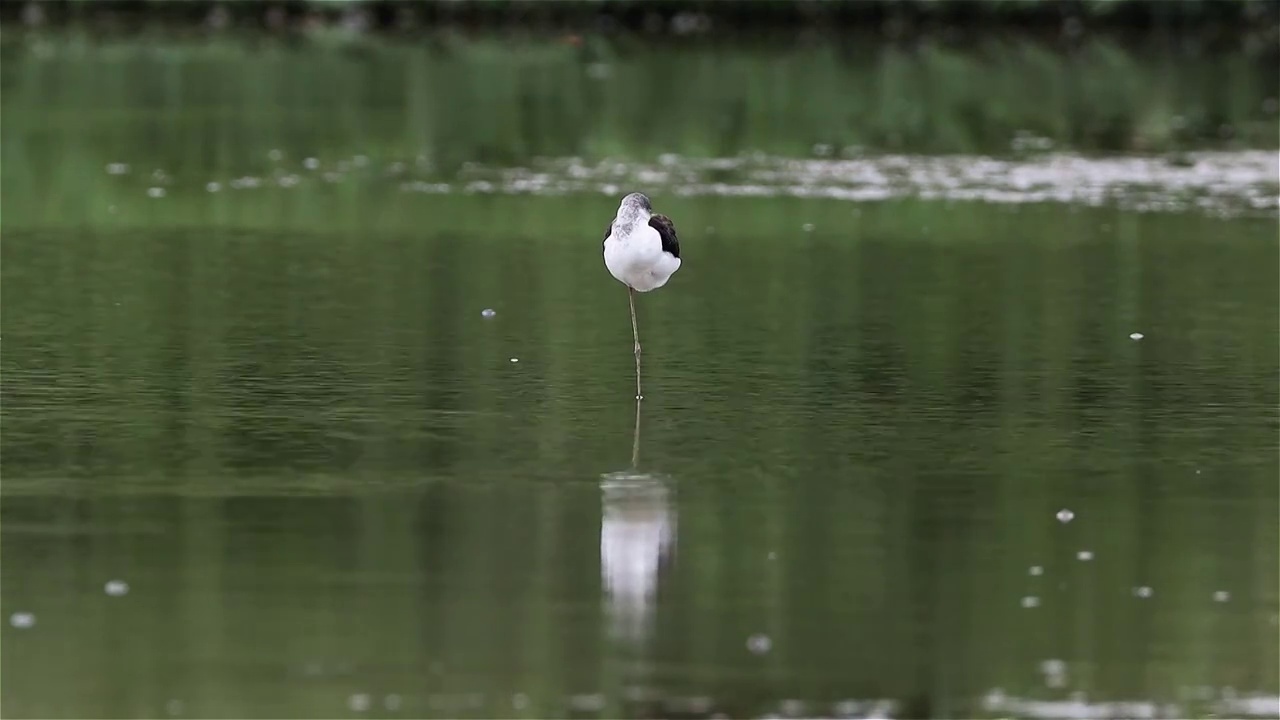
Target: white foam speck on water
x=116 y=588
x=759 y=644
x=1065 y=516
x=1143 y=591
x=587 y=702
x=311 y=163
x=515 y=360
x=117 y=168
x=807 y=227
x=275 y=155
x=1221 y=596
x=391 y=702
x=519 y=701
x=1035 y=570
x=488 y=312
x=792 y=708
x=155 y=192
x=1136 y=336
x=358 y=702
x=213 y=187
x=1084 y=555
x=174 y=707
x=22 y=620
x=1030 y=601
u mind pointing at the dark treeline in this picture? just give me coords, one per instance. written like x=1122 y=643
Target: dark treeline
x=1227 y=20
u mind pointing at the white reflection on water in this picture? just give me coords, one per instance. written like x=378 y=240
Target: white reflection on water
x=637 y=535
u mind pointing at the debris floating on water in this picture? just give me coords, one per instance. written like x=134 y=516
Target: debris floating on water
x=1136 y=336
x=488 y=312
x=116 y=588
x=515 y=360
x=1065 y=515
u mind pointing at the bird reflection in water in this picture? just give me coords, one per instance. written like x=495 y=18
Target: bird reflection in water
x=637 y=539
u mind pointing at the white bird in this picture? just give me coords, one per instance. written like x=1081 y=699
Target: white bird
x=641 y=251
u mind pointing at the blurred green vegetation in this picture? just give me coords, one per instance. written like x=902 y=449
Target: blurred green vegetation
x=214 y=107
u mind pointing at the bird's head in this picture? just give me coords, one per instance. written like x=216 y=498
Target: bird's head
x=634 y=205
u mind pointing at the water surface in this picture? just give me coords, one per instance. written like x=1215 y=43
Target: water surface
x=264 y=456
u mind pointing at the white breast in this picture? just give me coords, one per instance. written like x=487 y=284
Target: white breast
x=636 y=259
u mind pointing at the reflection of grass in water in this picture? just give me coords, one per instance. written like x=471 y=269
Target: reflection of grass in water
x=225 y=103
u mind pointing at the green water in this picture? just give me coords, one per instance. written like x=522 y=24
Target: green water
x=332 y=487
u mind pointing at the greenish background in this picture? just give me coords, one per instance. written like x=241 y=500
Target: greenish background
x=276 y=412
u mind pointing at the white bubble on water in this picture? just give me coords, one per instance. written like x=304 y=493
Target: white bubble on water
x=116 y=588
x=360 y=160
x=275 y=155
x=1035 y=570
x=311 y=163
x=515 y=360
x=155 y=192
x=391 y=702
x=1136 y=336
x=1143 y=591
x=488 y=312
x=22 y=620
x=117 y=168
x=587 y=702
x=1055 y=672
x=1221 y=596
x=1030 y=601
x=1065 y=515
x=807 y=227
x=519 y=701
x=759 y=644
x=1084 y=555
x=359 y=702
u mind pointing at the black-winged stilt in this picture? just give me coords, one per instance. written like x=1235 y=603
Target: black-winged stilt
x=641 y=251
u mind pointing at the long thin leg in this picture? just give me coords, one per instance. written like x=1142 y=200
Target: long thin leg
x=635 y=333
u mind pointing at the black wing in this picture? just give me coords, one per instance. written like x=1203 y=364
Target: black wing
x=667 y=231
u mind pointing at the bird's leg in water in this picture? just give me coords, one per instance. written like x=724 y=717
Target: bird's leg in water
x=635 y=333
x=635 y=440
